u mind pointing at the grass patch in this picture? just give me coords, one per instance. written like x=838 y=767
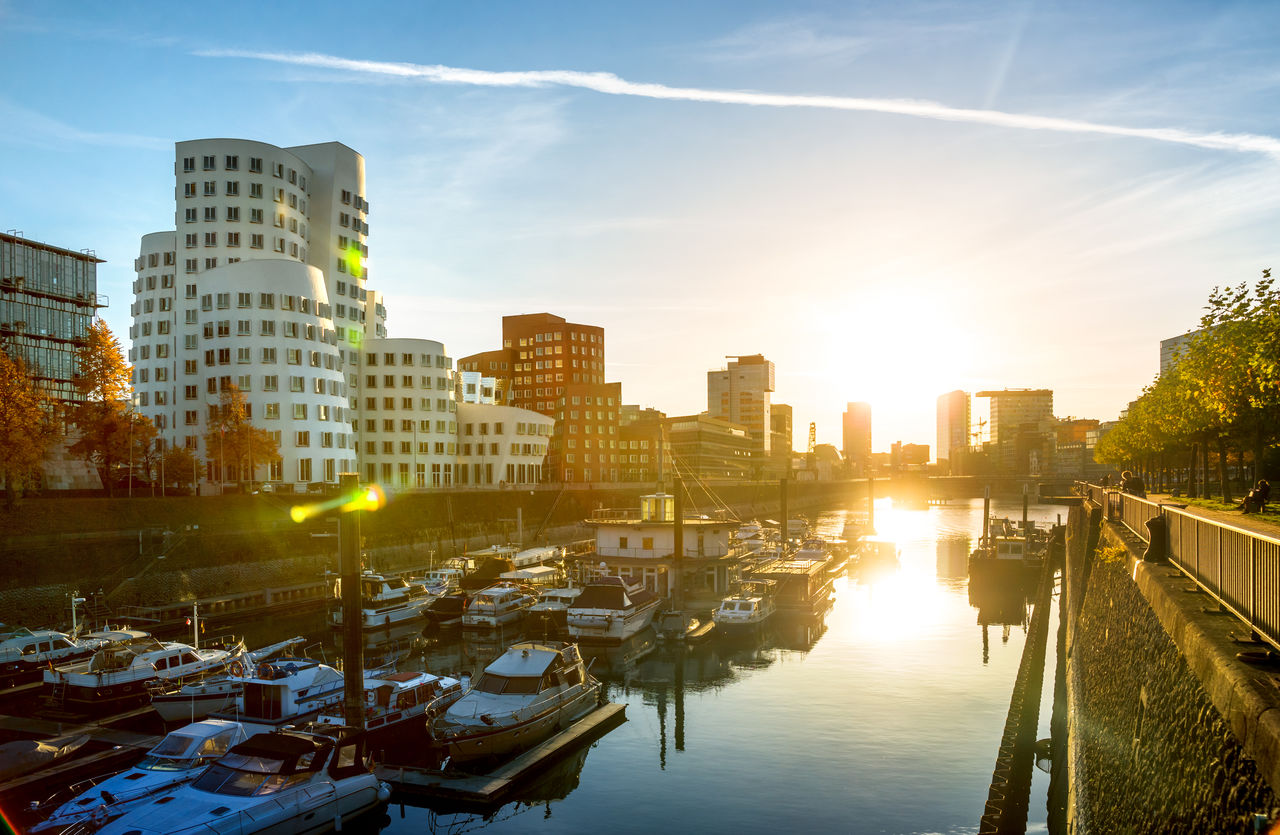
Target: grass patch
x=1270 y=517
x=1112 y=554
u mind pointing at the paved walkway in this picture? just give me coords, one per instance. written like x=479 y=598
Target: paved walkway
x=1267 y=524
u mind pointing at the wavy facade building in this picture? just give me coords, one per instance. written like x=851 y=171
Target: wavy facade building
x=261 y=285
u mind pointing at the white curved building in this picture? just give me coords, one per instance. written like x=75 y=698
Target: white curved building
x=262 y=284
x=501 y=446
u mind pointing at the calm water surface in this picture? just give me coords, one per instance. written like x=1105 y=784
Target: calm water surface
x=882 y=716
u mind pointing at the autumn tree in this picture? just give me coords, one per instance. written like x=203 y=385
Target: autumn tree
x=178 y=467
x=28 y=427
x=110 y=431
x=232 y=441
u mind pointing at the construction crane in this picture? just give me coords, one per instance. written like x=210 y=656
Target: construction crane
x=813 y=436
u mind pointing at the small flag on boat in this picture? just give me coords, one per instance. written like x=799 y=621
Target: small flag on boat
x=188 y=621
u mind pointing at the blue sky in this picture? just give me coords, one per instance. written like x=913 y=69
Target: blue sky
x=882 y=256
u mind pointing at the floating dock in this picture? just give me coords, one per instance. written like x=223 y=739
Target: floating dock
x=485 y=789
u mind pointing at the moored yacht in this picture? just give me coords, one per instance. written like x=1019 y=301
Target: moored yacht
x=283 y=692
x=121 y=673
x=746 y=609
x=176 y=759
x=26 y=653
x=498 y=605
x=610 y=610
x=397 y=703
x=197 y=699
x=551 y=613
x=295 y=781
x=384 y=601
x=532 y=690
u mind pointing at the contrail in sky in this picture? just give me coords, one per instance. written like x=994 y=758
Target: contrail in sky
x=610 y=84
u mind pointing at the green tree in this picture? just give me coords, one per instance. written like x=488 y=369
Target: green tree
x=233 y=443
x=110 y=432
x=28 y=427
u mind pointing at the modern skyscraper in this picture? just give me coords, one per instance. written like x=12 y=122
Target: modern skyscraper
x=261 y=286
x=953 y=430
x=48 y=296
x=857 y=437
x=740 y=392
x=1022 y=430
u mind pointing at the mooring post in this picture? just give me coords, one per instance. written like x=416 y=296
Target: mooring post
x=352 y=633
x=677 y=555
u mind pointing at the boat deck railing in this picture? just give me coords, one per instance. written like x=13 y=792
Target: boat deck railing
x=1238 y=568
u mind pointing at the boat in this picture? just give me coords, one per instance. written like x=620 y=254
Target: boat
x=176 y=759
x=682 y=626
x=197 y=699
x=536 y=577
x=531 y=691
x=447 y=609
x=551 y=612
x=1008 y=547
x=23 y=756
x=539 y=555
x=610 y=610
x=296 y=781
x=802 y=586
x=384 y=601
x=121 y=672
x=26 y=653
x=440 y=581
x=284 y=691
x=746 y=609
x=398 y=703
x=498 y=605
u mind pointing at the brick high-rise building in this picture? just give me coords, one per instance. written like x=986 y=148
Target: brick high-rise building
x=556 y=367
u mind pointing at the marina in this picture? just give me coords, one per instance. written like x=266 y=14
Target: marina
x=891 y=646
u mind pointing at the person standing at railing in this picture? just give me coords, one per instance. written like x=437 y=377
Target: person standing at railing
x=1132 y=484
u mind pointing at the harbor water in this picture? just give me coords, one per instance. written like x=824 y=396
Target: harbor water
x=881 y=715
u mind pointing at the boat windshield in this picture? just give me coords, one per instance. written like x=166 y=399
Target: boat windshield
x=179 y=751
x=246 y=774
x=519 y=685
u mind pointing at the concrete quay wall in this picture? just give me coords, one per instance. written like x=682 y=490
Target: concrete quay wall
x=1168 y=730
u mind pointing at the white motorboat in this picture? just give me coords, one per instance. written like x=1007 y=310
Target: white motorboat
x=551 y=612
x=177 y=759
x=440 y=581
x=532 y=690
x=498 y=605
x=284 y=691
x=26 y=653
x=395 y=702
x=384 y=601
x=197 y=699
x=122 y=672
x=749 y=607
x=292 y=781
x=610 y=610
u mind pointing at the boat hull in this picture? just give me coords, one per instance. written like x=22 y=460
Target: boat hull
x=602 y=628
x=492 y=743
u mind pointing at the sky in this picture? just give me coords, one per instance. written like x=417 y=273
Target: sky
x=889 y=200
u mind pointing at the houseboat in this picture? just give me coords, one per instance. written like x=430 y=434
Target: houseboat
x=803 y=586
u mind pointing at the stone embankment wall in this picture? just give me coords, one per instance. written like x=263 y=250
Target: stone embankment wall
x=1150 y=751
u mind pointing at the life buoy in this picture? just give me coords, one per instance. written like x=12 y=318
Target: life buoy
x=236 y=668
x=99 y=815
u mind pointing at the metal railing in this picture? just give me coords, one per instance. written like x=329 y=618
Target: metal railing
x=1239 y=568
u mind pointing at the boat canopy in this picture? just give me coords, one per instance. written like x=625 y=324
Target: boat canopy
x=523 y=660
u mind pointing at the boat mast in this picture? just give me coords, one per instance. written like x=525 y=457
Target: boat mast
x=349 y=574
x=677 y=557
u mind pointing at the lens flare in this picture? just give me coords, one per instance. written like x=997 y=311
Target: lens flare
x=368 y=498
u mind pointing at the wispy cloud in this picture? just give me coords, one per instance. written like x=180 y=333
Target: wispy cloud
x=610 y=84
x=41 y=130
x=788 y=40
